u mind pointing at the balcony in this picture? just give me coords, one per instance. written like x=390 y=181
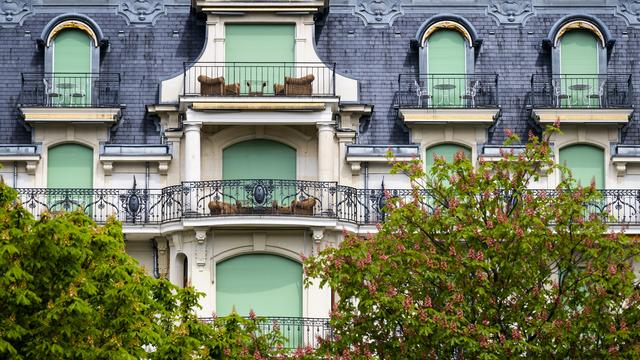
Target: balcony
x=299 y=332
x=258 y=86
x=586 y=98
x=454 y=98
x=74 y=97
x=233 y=200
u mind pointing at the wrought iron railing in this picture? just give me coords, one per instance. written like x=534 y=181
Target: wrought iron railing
x=299 y=332
x=416 y=91
x=265 y=197
x=70 y=90
x=581 y=91
x=259 y=79
x=260 y=197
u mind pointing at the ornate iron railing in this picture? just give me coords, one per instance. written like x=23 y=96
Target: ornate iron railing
x=416 y=91
x=259 y=79
x=260 y=197
x=70 y=90
x=267 y=197
x=581 y=91
x=299 y=332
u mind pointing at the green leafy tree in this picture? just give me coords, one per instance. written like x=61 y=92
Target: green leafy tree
x=69 y=290
x=478 y=266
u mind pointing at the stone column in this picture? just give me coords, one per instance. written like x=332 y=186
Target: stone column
x=192 y=151
x=325 y=151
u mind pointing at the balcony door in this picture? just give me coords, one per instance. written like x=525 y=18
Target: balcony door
x=71 y=83
x=579 y=69
x=448 y=151
x=248 y=49
x=446 y=68
x=69 y=169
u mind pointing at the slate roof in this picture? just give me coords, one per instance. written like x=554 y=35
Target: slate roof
x=375 y=57
x=142 y=55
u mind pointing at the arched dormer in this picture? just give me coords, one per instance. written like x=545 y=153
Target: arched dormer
x=76 y=34
x=584 y=38
x=452 y=31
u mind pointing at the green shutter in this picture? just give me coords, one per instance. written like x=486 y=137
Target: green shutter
x=446 y=54
x=257 y=43
x=71 y=54
x=579 y=59
x=446 y=150
x=586 y=163
x=70 y=166
x=259 y=159
x=270 y=285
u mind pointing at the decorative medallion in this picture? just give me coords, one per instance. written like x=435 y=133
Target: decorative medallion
x=378 y=13
x=12 y=12
x=510 y=11
x=142 y=12
x=630 y=10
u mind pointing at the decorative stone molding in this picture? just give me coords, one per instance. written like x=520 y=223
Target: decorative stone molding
x=630 y=10
x=318 y=235
x=177 y=242
x=201 y=248
x=163 y=257
x=14 y=11
x=511 y=11
x=142 y=12
x=378 y=13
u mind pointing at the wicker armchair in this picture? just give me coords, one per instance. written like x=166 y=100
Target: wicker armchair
x=295 y=86
x=215 y=86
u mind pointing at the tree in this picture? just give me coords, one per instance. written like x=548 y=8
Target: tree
x=69 y=290
x=477 y=265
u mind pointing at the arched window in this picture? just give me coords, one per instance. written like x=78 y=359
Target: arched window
x=182 y=265
x=71 y=81
x=270 y=285
x=259 y=159
x=586 y=163
x=448 y=151
x=447 y=54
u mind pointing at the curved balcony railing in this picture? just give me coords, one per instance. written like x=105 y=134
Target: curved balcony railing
x=66 y=90
x=264 y=197
x=299 y=332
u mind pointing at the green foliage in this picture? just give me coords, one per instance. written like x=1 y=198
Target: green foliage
x=484 y=268
x=69 y=290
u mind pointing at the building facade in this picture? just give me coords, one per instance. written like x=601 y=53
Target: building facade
x=231 y=138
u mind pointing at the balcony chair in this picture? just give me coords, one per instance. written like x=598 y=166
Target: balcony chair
x=421 y=93
x=49 y=93
x=598 y=96
x=558 y=94
x=215 y=86
x=217 y=207
x=295 y=86
x=471 y=92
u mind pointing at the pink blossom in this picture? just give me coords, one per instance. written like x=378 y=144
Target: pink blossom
x=392 y=291
x=508 y=132
x=252 y=314
x=612 y=269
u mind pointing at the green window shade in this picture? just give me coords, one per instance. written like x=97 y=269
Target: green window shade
x=259 y=159
x=446 y=55
x=257 y=43
x=270 y=285
x=71 y=54
x=69 y=166
x=579 y=65
x=586 y=163
x=446 y=150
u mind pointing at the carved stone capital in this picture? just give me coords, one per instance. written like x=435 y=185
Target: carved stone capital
x=318 y=235
x=201 y=248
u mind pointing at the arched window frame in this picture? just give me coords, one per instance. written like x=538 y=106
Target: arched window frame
x=72 y=21
x=452 y=22
x=580 y=22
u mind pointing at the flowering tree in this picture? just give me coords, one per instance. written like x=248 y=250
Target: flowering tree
x=477 y=265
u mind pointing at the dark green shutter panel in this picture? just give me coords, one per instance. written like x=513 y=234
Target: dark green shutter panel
x=70 y=166
x=446 y=150
x=71 y=54
x=446 y=51
x=586 y=163
x=259 y=159
x=579 y=65
x=270 y=285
